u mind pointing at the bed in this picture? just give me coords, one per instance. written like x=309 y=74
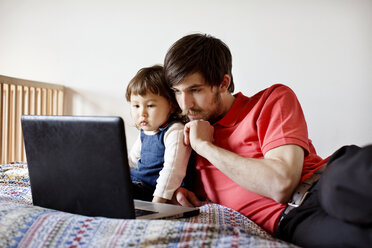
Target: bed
x=25 y=225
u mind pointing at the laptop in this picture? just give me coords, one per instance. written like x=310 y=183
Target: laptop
x=79 y=164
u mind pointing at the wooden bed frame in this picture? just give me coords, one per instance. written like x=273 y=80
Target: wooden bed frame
x=23 y=97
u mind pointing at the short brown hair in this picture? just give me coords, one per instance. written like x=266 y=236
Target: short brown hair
x=200 y=53
x=151 y=79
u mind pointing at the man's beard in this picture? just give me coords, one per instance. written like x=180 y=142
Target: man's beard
x=212 y=117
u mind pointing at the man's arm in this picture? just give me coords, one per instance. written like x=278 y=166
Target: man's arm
x=275 y=176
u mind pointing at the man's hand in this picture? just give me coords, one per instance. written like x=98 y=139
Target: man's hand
x=196 y=132
x=185 y=198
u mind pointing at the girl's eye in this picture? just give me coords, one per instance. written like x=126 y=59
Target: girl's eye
x=150 y=105
x=135 y=106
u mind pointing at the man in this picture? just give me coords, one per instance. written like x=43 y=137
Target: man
x=253 y=152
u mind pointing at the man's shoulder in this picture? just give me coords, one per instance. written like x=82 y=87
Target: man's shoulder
x=246 y=107
x=273 y=88
x=276 y=88
x=279 y=88
x=274 y=91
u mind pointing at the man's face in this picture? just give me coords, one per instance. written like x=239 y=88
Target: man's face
x=197 y=99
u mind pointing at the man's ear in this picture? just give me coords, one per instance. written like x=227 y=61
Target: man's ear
x=224 y=86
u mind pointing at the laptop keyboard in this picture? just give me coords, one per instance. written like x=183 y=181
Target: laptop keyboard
x=141 y=212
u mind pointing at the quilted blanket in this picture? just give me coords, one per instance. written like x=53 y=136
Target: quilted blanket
x=25 y=225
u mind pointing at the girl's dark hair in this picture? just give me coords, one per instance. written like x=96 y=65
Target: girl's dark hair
x=151 y=79
x=200 y=53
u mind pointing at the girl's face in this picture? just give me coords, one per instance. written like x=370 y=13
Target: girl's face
x=150 y=111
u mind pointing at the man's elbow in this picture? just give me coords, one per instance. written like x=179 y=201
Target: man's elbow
x=283 y=192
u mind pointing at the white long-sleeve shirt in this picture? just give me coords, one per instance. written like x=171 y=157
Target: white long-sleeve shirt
x=176 y=158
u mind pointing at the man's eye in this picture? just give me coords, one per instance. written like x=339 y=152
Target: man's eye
x=195 y=90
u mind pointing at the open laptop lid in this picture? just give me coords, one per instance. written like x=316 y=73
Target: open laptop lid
x=79 y=164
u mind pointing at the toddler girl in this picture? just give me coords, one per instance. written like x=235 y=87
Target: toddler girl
x=158 y=158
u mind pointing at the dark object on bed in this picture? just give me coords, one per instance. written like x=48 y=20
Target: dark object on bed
x=79 y=164
x=69 y=169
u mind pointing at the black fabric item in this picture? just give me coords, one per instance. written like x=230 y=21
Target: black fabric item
x=346 y=188
x=341 y=190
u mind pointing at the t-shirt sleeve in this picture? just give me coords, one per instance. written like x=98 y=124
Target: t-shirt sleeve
x=281 y=120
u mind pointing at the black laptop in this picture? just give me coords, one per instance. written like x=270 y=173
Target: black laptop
x=79 y=164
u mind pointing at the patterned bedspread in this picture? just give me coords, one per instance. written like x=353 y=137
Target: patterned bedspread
x=25 y=225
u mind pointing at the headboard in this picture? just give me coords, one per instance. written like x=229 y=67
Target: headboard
x=19 y=97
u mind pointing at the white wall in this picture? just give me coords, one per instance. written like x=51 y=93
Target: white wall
x=320 y=48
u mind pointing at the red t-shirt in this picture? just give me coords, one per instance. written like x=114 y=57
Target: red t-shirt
x=253 y=126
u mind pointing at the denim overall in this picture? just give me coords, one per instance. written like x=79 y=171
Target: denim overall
x=148 y=167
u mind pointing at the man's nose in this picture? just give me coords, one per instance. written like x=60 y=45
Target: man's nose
x=185 y=101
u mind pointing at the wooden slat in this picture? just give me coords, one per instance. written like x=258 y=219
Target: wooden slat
x=26 y=101
x=5 y=124
x=38 y=101
x=12 y=122
x=49 y=102
x=43 y=101
x=32 y=103
x=1 y=122
x=55 y=101
x=19 y=135
x=60 y=102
